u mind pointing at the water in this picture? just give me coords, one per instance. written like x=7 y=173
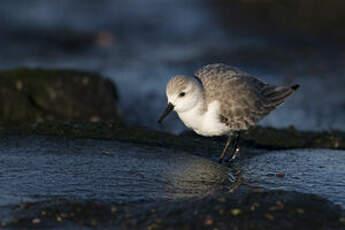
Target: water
x=55 y=169
x=141 y=44
x=316 y=171
x=41 y=168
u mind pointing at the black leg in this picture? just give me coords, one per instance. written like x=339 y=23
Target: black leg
x=227 y=145
x=236 y=149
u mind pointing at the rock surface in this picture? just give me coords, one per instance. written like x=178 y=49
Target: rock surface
x=36 y=95
x=256 y=138
x=239 y=210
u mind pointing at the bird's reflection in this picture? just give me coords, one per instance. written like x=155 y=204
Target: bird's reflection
x=197 y=177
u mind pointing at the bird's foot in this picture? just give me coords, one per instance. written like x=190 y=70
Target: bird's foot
x=236 y=155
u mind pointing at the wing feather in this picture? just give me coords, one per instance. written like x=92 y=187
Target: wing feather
x=244 y=99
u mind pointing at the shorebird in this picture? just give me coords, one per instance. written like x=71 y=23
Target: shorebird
x=223 y=100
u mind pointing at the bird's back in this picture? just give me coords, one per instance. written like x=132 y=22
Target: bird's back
x=244 y=99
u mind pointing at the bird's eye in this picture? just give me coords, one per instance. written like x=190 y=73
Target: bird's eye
x=182 y=94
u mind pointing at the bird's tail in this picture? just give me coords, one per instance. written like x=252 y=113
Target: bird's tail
x=276 y=95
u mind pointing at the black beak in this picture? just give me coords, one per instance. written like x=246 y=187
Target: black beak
x=166 y=112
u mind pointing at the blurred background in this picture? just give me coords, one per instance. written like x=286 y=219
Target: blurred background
x=139 y=45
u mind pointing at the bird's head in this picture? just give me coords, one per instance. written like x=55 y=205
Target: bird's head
x=183 y=94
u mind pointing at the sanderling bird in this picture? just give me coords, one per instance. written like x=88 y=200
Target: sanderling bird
x=223 y=100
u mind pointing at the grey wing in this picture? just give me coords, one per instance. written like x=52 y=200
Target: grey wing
x=218 y=73
x=244 y=99
x=208 y=72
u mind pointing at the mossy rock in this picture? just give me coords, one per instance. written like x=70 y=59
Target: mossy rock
x=36 y=95
x=256 y=140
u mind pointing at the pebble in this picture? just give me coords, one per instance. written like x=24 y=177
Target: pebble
x=269 y=216
x=36 y=220
x=236 y=211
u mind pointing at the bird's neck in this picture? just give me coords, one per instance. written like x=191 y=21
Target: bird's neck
x=193 y=117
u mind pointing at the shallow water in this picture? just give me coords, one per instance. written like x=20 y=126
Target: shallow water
x=316 y=171
x=126 y=42
x=39 y=168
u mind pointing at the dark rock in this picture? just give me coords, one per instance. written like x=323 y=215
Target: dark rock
x=36 y=95
x=257 y=140
x=243 y=209
x=272 y=138
x=282 y=138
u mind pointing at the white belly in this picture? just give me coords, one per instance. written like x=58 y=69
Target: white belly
x=207 y=123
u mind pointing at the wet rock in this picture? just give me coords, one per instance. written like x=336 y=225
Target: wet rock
x=254 y=210
x=271 y=138
x=36 y=168
x=36 y=95
x=256 y=141
x=283 y=138
x=146 y=179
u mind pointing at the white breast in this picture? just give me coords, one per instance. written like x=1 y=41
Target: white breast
x=206 y=123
